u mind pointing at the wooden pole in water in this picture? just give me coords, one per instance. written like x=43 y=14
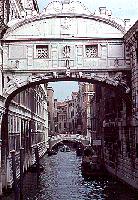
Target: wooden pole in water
x=37 y=163
x=21 y=172
x=15 y=186
x=37 y=155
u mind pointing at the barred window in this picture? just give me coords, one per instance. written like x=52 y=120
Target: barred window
x=42 y=51
x=91 y=51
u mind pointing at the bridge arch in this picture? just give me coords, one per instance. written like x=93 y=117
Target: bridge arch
x=82 y=141
x=116 y=83
x=64 y=142
x=117 y=80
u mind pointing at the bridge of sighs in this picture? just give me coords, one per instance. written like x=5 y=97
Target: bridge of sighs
x=66 y=42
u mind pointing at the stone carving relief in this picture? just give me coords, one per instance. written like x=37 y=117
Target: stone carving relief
x=66 y=55
x=14 y=64
x=57 y=7
x=13 y=82
x=116 y=62
x=121 y=79
x=66 y=51
x=65 y=25
x=66 y=6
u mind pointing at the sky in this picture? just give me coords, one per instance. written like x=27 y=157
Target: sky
x=123 y=9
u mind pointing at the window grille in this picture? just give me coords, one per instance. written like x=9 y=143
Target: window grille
x=91 y=51
x=42 y=51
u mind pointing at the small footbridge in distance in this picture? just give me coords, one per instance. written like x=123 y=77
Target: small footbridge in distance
x=76 y=138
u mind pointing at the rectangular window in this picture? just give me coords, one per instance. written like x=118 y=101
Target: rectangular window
x=42 y=51
x=65 y=125
x=91 y=51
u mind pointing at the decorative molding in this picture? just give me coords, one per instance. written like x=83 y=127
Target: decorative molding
x=117 y=79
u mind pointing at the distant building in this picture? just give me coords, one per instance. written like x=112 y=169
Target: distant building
x=50 y=95
x=55 y=116
x=72 y=113
x=85 y=94
x=62 y=117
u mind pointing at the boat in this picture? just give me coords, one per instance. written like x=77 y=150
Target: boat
x=65 y=148
x=51 y=152
x=79 y=151
x=91 y=165
x=35 y=168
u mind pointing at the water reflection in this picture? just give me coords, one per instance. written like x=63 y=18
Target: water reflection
x=62 y=180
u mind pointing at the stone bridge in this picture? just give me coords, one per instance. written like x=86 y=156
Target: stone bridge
x=64 y=43
x=54 y=140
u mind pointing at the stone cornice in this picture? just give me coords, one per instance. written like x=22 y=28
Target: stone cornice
x=109 y=40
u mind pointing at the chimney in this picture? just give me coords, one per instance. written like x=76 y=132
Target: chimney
x=66 y=1
x=102 y=10
x=126 y=22
x=109 y=13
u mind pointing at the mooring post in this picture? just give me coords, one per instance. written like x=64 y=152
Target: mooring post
x=21 y=172
x=37 y=160
x=15 y=186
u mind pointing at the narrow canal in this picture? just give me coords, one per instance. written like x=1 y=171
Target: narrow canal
x=62 y=180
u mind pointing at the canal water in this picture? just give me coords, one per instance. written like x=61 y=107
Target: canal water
x=61 y=179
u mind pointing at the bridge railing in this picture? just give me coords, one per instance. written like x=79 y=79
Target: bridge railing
x=70 y=136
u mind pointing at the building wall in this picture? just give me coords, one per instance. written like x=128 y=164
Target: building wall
x=86 y=92
x=28 y=114
x=62 y=117
x=118 y=132
x=131 y=133
x=74 y=112
x=55 y=116
x=50 y=95
x=117 y=119
x=70 y=114
x=28 y=127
